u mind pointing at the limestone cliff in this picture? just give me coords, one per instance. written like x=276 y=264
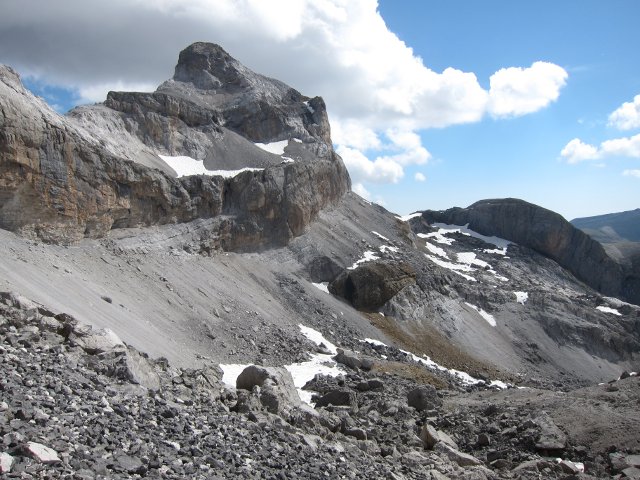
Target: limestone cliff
x=548 y=233
x=63 y=178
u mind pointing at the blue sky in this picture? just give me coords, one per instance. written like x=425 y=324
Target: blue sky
x=407 y=84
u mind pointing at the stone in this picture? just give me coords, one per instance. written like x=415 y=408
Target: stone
x=551 y=439
x=337 y=397
x=96 y=341
x=348 y=358
x=6 y=462
x=483 y=440
x=424 y=397
x=461 y=458
x=429 y=436
x=568 y=466
x=369 y=286
x=41 y=453
x=631 y=472
x=277 y=389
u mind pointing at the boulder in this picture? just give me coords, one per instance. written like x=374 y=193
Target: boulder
x=94 y=341
x=461 y=458
x=551 y=440
x=370 y=285
x=6 y=462
x=338 y=397
x=277 y=389
x=424 y=397
x=41 y=453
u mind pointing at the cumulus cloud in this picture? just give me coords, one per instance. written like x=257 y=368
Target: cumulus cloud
x=373 y=83
x=577 y=151
x=419 y=177
x=631 y=173
x=627 y=116
x=380 y=170
x=517 y=91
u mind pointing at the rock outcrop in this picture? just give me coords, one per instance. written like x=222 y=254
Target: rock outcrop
x=549 y=234
x=369 y=286
x=66 y=178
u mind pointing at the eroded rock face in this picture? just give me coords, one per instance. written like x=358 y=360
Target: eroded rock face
x=549 y=234
x=371 y=285
x=66 y=178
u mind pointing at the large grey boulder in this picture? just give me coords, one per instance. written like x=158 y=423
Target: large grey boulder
x=369 y=286
x=277 y=390
x=424 y=397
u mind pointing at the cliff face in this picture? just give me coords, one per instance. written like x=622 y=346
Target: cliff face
x=66 y=178
x=549 y=234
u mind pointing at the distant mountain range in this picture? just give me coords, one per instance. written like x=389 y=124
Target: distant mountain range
x=613 y=227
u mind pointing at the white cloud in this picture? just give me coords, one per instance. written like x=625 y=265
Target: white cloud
x=517 y=91
x=360 y=190
x=577 y=151
x=627 y=116
x=98 y=92
x=419 y=177
x=380 y=170
x=373 y=83
x=631 y=173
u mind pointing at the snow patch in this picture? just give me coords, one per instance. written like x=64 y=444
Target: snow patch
x=366 y=257
x=185 y=166
x=324 y=286
x=608 y=310
x=436 y=250
x=230 y=373
x=464 y=377
x=382 y=237
x=287 y=159
x=309 y=108
x=521 y=297
x=276 y=148
x=406 y=218
x=454 y=267
x=487 y=316
x=317 y=338
x=389 y=248
x=373 y=341
x=445 y=229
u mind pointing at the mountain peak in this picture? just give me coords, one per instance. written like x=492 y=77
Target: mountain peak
x=208 y=66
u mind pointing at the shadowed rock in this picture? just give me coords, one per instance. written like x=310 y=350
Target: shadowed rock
x=372 y=284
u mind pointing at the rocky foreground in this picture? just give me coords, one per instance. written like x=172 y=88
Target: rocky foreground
x=78 y=403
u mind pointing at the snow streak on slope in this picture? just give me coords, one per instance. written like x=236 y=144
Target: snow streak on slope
x=454 y=267
x=487 y=316
x=443 y=229
x=301 y=372
x=185 y=166
x=319 y=364
x=608 y=310
x=464 y=377
x=276 y=148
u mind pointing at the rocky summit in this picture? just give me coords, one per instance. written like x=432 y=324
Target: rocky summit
x=189 y=289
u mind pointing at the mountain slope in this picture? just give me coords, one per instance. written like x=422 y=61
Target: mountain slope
x=613 y=227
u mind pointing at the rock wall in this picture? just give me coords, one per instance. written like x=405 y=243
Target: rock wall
x=60 y=183
x=549 y=234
